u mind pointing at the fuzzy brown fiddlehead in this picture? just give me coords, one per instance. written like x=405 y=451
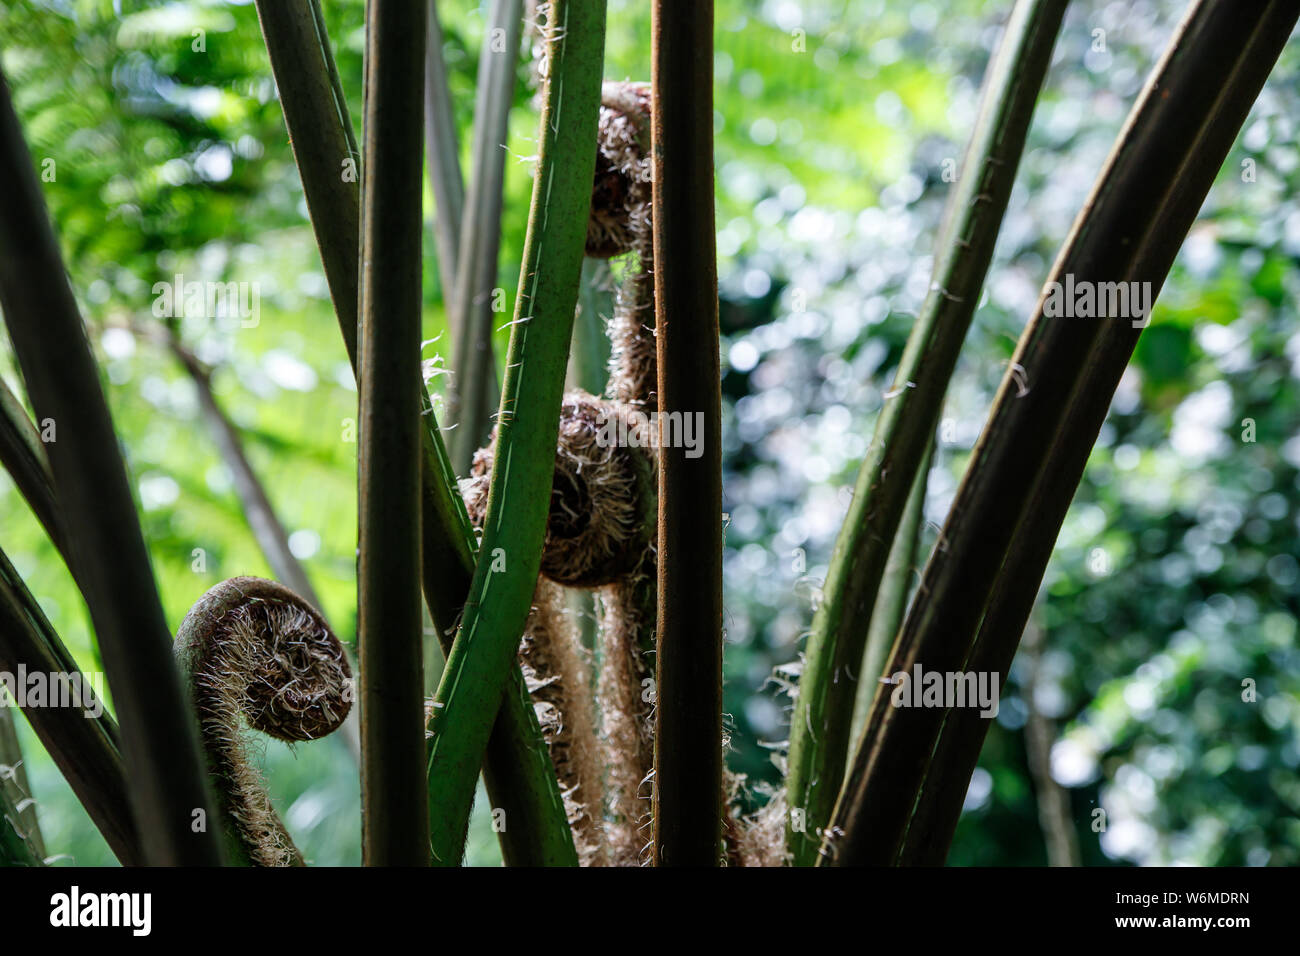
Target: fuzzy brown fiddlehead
x=621 y=224
x=602 y=510
x=603 y=499
x=621 y=191
x=253 y=652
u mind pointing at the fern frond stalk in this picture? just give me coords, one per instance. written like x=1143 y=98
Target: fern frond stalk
x=19 y=840
x=1141 y=208
x=85 y=749
x=473 y=392
x=15 y=786
x=389 y=620
x=23 y=456
x=822 y=718
x=442 y=151
x=516 y=770
x=688 y=798
x=891 y=600
x=263 y=521
x=527 y=426
x=90 y=483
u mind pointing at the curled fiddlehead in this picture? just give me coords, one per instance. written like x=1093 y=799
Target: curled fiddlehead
x=621 y=222
x=602 y=495
x=253 y=652
x=621 y=192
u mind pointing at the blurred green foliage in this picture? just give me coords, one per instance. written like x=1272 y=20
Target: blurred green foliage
x=1175 y=579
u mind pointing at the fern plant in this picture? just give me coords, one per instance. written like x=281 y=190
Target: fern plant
x=606 y=749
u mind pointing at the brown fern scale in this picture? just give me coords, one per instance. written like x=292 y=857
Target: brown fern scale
x=621 y=192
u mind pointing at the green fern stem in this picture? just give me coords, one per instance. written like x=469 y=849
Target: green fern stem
x=528 y=424
x=821 y=723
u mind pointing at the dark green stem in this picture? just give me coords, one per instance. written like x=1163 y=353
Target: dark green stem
x=90 y=482
x=1029 y=459
x=891 y=601
x=688 y=799
x=83 y=742
x=442 y=149
x=1162 y=168
x=389 y=625
x=822 y=718
x=17 y=844
x=589 y=358
x=473 y=393
x=517 y=769
x=15 y=786
x=23 y=455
